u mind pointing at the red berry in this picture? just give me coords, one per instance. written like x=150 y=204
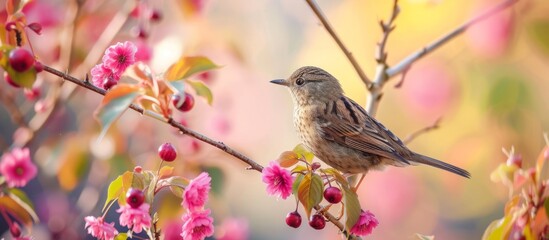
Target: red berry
x=21 y=59
x=11 y=25
x=293 y=219
x=185 y=104
x=15 y=230
x=108 y=83
x=156 y=15
x=135 y=197
x=167 y=152
x=317 y=221
x=10 y=81
x=138 y=169
x=333 y=195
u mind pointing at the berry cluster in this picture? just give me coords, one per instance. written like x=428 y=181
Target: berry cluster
x=317 y=221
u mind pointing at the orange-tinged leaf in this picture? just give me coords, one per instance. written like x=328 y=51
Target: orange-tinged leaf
x=18 y=205
x=187 y=66
x=201 y=90
x=118 y=187
x=352 y=207
x=166 y=171
x=302 y=152
x=299 y=168
x=310 y=191
x=288 y=159
x=297 y=182
x=115 y=102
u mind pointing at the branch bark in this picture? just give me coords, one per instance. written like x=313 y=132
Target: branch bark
x=85 y=84
x=348 y=54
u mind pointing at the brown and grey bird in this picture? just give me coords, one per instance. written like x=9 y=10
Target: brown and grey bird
x=341 y=133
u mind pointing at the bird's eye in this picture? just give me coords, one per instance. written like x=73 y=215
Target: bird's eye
x=300 y=81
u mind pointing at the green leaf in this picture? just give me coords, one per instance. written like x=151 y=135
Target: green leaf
x=297 y=182
x=424 y=237
x=121 y=236
x=310 y=191
x=177 y=185
x=352 y=207
x=288 y=159
x=118 y=188
x=187 y=66
x=498 y=229
x=338 y=176
x=115 y=102
x=201 y=90
x=302 y=151
x=539 y=33
x=299 y=169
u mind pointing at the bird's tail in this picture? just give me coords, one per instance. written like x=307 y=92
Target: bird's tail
x=440 y=164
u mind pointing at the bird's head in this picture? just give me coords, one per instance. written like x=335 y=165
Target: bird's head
x=311 y=84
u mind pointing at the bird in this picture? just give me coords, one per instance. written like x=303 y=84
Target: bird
x=340 y=132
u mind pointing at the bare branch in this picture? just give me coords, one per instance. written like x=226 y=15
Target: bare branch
x=9 y=103
x=381 y=58
x=402 y=65
x=348 y=54
x=253 y=165
x=424 y=130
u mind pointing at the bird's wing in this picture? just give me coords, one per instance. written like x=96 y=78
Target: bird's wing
x=347 y=123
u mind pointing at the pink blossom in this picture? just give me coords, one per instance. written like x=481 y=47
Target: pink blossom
x=100 y=73
x=279 y=180
x=234 y=229
x=135 y=218
x=98 y=228
x=365 y=224
x=120 y=56
x=196 y=193
x=17 y=167
x=197 y=225
x=172 y=230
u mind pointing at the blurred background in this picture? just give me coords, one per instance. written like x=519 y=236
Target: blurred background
x=489 y=86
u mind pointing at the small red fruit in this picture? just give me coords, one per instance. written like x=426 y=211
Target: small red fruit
x=333 y=195
x=135 y=197
x=38 y=66
x=315 y=166
x=317 y=221
x=138 y=169
x=293 y=219
x=167 y=152
x=21 y=59
x=185 y=104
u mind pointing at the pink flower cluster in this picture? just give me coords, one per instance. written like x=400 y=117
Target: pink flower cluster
x=98 y=228
x=135 y=218
x=279 y=180
x=365 y=224
x=116 y=60
x=197 y=223
x=17 y=167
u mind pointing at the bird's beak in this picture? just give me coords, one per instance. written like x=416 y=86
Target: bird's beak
x=280 y=82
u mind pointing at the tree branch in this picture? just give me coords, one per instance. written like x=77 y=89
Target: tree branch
x=85 y=84
x=9 y=103
x=381 y=58
x=406 y=62
x=419 y=132
x=348 y=54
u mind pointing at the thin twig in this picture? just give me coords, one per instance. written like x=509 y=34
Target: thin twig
x=381 y=58
x=402 y=65
x=253 y=165
x=348 y=54
x=424 y=130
